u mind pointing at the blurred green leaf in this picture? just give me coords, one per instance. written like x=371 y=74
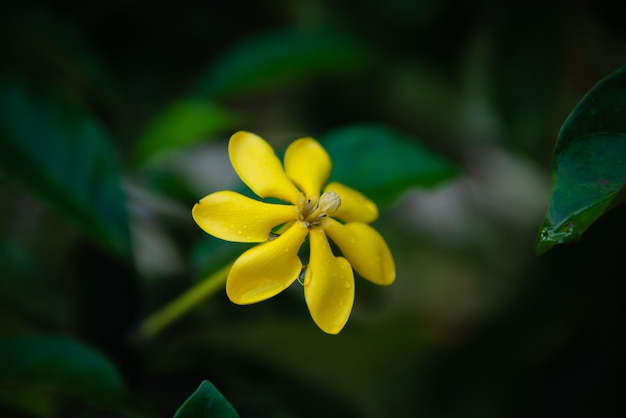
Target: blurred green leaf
x=63 y=155
x=27 y=289
x=59 y=365
x=589 y=163
x=206 y=401
x=182 y=124
x=352 y=367
x=383 y=163
x=27 y=402
x=278 y=57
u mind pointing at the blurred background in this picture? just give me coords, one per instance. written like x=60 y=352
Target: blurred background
x=115 y=118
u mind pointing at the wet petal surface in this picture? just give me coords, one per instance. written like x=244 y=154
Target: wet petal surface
x=328 y=285
x=355 y=207
x=308 y=165
x=233 y=217
x=267 y=269
x=365 y=249
x=258 y=166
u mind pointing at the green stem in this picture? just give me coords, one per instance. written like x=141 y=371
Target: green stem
x=158 y=321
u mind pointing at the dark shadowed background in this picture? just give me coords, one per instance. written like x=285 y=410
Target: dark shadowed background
x=114 y=121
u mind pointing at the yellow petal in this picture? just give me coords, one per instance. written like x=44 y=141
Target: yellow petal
x=365 y=249
x=234 y=217
x=308 y=165
x=267 y=269
x=354 y=206
x=258 y=166
x=328 y=285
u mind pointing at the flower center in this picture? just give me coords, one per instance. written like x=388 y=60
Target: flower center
x=312 y=212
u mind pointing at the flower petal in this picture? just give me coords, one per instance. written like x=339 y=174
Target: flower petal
x=308 y=165
x=365 y=249
x=328 y=285
x=267 y=269
x=258 y=166
x=233 y=217
x=355 y=207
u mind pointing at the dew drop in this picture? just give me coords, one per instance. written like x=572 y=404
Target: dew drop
x=347 y=284
x=239 y=232
x=557 y=235
x=302 y=276
x=272 y=236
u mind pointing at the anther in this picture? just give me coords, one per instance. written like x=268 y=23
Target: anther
x=313 y=211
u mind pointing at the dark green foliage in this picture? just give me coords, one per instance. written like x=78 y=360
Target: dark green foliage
x=359 y=153
x=53 y=147
x=114 y=119
x=589 y=163
x=206 y=401
x=58 y=365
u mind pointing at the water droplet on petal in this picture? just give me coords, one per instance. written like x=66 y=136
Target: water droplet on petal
x=347 y=284
x=272 y=236
x=302 y=277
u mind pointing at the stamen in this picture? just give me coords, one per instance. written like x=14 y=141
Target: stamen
x=314 y=210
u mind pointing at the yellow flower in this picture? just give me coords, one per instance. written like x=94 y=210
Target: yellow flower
x=339 y=213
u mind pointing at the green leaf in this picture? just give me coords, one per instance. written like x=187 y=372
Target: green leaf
x=27 y=402
x=278 y=57
x=589 y=163
x=206 y=401
x=182 y=124
x=49 y=364
x=63 y=155
x=382 y=163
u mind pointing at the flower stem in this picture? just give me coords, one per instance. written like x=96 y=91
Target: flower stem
x=159 y=320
